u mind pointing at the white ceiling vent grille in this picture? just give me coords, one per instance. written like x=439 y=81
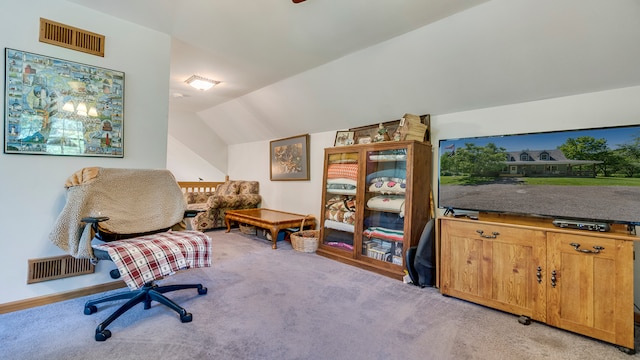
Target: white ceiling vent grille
x=57 y=267
x=70 y=37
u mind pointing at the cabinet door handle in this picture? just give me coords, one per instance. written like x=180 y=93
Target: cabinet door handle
x=539 y=274
x=553 y=278
x=587 y=251
x=492 y=236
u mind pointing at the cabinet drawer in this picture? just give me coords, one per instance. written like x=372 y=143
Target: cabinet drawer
x=487 y=231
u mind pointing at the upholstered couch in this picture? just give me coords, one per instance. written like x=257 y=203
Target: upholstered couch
x=232 y=195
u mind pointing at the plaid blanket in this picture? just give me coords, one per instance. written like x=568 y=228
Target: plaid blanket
x=147 y=258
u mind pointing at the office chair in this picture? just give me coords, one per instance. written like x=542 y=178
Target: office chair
x=133 y=217
x=420 y=259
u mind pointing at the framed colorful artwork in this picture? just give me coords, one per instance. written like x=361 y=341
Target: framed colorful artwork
x=59 y=107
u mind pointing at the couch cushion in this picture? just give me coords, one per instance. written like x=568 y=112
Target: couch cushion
x=197 y=197
x=228 y=188
x=249 y=187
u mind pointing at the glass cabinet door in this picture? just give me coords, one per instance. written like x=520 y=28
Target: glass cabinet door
x=383 y=235
x=340 y=200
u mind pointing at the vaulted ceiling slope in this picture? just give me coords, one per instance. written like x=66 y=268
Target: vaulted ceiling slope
x=322 y=65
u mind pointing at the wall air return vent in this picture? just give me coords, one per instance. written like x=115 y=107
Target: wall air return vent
x=57 y=267
x=70 y=37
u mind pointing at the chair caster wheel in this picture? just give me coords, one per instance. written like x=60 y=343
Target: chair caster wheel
x=103 y=335
x=202 y=291
x=115 y=274
x=88 y=310
x=186 y=318
x=524 y=320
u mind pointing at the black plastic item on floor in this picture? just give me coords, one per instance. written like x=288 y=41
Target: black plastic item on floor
x=420 y=259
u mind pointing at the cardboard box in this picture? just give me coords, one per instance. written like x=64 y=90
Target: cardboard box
x=412 y=128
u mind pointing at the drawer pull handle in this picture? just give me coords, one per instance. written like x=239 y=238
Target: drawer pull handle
x=587 y=251
x=492 y=236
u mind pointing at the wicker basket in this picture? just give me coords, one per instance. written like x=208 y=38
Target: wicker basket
x=247 y=229
x=305 y=240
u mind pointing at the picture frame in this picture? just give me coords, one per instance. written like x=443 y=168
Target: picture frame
x=366 y=134
x=344 y=138
x=289 y=158
x=60 y=107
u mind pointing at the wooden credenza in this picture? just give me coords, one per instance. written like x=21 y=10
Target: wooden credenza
x=580 y=281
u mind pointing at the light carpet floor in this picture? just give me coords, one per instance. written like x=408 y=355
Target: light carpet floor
x=284 y=304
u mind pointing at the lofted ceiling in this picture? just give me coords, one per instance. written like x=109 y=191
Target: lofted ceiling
x=249 y=44
x=322 y=58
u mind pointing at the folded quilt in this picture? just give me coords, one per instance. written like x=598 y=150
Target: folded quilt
x=346 y=187
x=339 y=245
x=387 y=174
x=385 y=234
x=347 y=171
x=146 y=258
x=343 y=158
x=339 y=226
x=389 y=186
x=342 y=181
x=387 y=203
x=386 y=220
x=341 y=208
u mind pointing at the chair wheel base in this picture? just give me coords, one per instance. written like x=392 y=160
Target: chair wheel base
x=103 y=335
x=186 y=318
x=202 y=291
x=91 y=309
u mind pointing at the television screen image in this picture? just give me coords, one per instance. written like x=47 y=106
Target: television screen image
x=587 y=174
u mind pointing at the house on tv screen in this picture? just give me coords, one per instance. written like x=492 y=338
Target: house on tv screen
x=546 y=163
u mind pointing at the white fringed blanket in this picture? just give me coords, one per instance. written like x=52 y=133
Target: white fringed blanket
x=135 y=200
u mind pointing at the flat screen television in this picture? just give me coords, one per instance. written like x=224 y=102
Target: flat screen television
x=587 y=174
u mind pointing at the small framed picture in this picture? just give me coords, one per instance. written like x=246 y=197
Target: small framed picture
x=289 y=158
x=344 y=138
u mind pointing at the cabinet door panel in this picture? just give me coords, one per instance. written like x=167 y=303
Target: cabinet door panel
x=466 y=264
x=339 y=202
x=512 y=274
x=592 y=293
x=494 y=265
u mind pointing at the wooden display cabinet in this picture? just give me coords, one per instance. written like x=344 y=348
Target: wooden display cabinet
x=375 y=203
x=575 y=280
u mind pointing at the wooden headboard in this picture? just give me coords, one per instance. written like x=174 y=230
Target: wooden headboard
x=200 y=186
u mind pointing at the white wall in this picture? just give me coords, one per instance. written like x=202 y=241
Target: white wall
x=187 y=165
x=250 y=161
x=31 y=186
x=194 y=150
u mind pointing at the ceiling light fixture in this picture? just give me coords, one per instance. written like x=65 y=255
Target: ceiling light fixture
x=201 y=83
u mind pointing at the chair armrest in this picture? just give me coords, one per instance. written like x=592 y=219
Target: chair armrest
x=192 y=213
x=94 y=219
